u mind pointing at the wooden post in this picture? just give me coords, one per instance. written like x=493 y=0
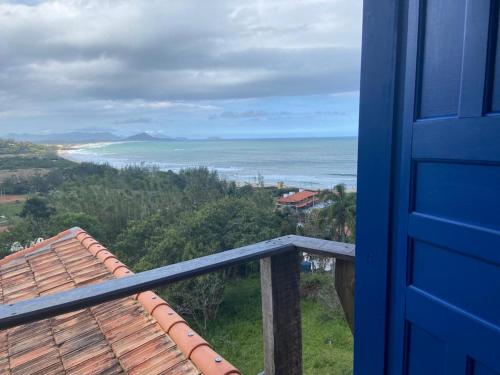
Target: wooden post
x=344 y=285
x=280 y=282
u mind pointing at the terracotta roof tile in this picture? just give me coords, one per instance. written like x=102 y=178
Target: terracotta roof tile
x=297 y=197
x=104 y=363
x=140 y=334
x=167 y=318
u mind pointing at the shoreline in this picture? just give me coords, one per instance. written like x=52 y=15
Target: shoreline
x=67 y=152
x=64 y=151
x=64 y=154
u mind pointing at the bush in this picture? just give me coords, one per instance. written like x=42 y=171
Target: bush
x=221 y=225
x=311 y=285
x=36 y=208
x=62 y=221
x=320 y=287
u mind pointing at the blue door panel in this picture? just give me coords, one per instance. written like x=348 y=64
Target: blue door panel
x=493 y=104
x=466 y=282
x=445 y=261
x=480 y=369
x=461 y=331
x=441 y=58
x=427 y=353
x=474 y=140
x=467 y=193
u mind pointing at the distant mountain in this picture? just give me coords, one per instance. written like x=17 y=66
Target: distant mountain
x=145 y=137
x=71 y=137
x=83 y=137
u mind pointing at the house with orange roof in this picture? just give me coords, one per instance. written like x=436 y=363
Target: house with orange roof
x=300 y=200
x=139 y=334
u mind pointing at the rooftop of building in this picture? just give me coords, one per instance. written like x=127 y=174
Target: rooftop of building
x=140 y=334
x=297 y=197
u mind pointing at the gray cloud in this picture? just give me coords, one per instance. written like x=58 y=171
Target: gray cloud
x=135 y=120
x=58 y=54
x=261 y=114
x=95 y=129
x=244 y=114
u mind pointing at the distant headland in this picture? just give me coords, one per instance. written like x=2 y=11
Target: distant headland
x=84 y=138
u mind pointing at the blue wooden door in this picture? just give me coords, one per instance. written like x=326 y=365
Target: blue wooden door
x=445 y=283
x=428 y=281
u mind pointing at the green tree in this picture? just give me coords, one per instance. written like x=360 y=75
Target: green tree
x=340 y=215
x=220 y=225
x=133 y=244
x=36 y=213
x=65 y=220
x=18 y=233
x=37 y=208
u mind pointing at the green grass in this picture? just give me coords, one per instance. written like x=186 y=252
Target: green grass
x=11 y=210
x=237 y=333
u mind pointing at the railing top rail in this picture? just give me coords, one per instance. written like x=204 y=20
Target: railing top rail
x=72 y=300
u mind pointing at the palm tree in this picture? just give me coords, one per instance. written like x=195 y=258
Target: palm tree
x=340 y=215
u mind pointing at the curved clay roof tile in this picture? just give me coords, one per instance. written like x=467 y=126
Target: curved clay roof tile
x=189 y=342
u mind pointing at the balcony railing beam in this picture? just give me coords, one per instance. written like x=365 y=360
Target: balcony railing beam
x=344 y=285
x=281 y=322
x=72 y=300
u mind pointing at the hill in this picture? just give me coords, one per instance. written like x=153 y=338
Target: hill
x=22 y=160
x=145 y=137
x=82 y=137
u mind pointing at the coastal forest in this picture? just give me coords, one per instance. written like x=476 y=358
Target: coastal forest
x=149 y=218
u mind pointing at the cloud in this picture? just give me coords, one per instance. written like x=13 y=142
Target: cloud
x=261 y=114
x=136 y=120
x=244 y=114
x=170 y=55
x=93 y=129
x=152 y=105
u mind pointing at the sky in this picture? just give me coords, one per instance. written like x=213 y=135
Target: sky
x=181 y=68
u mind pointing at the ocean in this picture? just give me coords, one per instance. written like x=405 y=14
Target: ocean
x=315 y=163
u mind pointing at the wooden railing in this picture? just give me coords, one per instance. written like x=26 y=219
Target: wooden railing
x=280 y=276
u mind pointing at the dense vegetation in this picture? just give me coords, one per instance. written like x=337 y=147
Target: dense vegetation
x=337 y=220
x=43 y=162
x=10 y=147
x=151 y=218
x=236 y=333
x=23 y=155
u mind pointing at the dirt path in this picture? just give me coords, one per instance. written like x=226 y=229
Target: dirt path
x=4 y=199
